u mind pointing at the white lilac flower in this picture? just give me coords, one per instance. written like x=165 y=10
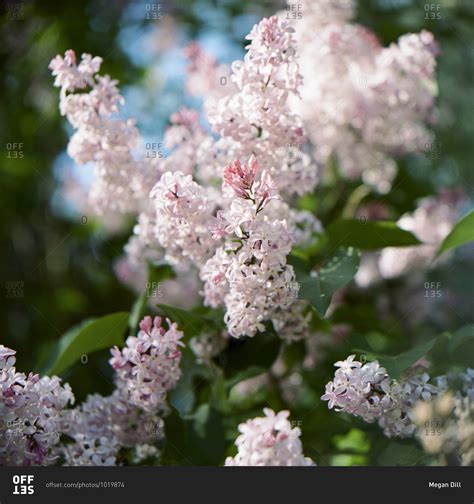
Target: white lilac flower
x=383 y=99
x=367 y=391
x=269 y=441
x=148 y=366
x=293 y=324
x=183 y=138
x=249 y=274
x=32 y=410
x=253 y=117
x=101 y=426
x=205 y=77
x=122 y=182
x=183 y=213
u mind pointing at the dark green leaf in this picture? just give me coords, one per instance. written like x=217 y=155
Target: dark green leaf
x=462 y=232
x=319 y=287
x=250 y=355
x=461 y=337
x=177 y=447
x=197 y=439
x=368 y=235
x=89 y=336
x=396 y=365
x=207 y=436
x=400 y=454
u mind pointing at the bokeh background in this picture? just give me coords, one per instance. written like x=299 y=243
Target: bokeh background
x=57 y=263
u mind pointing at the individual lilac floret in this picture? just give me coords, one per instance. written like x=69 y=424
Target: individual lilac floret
x=367 y=391
x=269 y=441
x=148 y=366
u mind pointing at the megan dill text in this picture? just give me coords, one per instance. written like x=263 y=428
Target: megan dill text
x=451 y=484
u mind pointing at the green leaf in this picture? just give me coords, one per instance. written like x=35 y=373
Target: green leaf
x=197 y=439
x=248 y=357
x=400 y=454
x=177 y=447
x=396 y=365
x=207 y=436
x=156 y=275
x=462 y=232
x=334 y=274
x=89 y=336
x=368 y=235
x=460 y=337
x=189 y=322
x=183 y=396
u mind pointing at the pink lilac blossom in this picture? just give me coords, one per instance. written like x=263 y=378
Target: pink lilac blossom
x=249 y=273
x=255 y=119
x=33 y=410
x=183 y=137
x=383 y=99
x=101 y=426
x=183 y=212
x=121 y=180
x=269 y=441
x=148 y=366
x=367 y=391
x=205 y=77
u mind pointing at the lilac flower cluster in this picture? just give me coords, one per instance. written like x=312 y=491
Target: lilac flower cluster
x=38 y=427
x=269 y=441
x=238 y=238
x=249 y=273
x=367 y=391
x=101 y=426
x=382 y=100
x=121 y=180
x=146 y=369
x=148 y=366
x=32 y=411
